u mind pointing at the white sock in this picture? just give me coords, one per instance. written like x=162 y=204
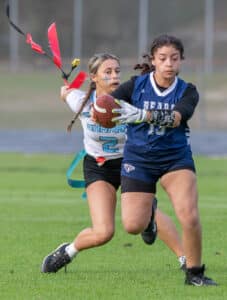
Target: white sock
x=182 y=260
x=71 y=250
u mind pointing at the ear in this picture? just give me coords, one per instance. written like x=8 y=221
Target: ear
x=93 y=77
x=152 y=61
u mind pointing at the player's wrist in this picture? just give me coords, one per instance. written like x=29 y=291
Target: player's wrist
x=148 y=116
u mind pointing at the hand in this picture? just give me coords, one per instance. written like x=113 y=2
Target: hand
x=128 y=113
x=64 y=92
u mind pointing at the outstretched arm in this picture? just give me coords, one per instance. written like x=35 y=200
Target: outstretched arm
x=131 y=114
x=182 y=111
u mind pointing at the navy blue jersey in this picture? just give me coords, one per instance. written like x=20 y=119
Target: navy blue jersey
x=147 y=142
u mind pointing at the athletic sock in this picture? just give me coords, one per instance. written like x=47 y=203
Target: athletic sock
x=182 y=260
x=71 y=250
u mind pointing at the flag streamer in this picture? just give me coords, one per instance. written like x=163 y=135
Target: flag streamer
x=55 y=56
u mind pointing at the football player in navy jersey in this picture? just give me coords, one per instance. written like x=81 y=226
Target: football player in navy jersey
x=156 y=106
x=102 y=167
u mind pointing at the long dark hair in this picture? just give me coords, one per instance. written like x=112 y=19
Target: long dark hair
x=93 y=65
x=160 y=41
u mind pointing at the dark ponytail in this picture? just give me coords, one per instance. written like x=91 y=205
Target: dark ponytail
x=146 y=66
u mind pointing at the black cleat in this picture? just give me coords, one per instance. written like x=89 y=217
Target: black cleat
x=56 y=260
x=195 y=276
x=150 y=233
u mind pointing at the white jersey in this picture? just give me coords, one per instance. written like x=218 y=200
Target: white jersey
x=98 y=141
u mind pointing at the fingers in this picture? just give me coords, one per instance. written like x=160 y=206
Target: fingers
x=117 y=101
x=118 y=120
x=117 y=111
x=124 y=104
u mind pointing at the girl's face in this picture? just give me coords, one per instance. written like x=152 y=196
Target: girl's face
x=167 y=61
x=107 y=78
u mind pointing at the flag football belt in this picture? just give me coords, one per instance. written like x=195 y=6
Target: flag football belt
x=76 y=183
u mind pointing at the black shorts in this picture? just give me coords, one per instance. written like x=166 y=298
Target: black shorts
x=110 y=171
x=135 y=185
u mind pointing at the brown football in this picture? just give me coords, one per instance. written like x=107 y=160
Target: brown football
x=102 y=110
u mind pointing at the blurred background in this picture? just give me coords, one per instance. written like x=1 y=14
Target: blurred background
x=30 y=83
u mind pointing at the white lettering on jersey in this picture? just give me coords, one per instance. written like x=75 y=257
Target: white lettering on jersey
x=98 y=141
x=151 y=105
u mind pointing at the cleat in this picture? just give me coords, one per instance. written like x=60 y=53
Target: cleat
x=56 y=260
x=195 y=276
x=150 y=233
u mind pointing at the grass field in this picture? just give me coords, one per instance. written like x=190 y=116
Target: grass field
x=39 y=211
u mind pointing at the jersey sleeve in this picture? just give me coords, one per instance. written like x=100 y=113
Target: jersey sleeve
x=74 y=100
x=125 y=90
x=188 y=102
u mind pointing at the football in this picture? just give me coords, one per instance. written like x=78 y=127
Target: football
x=102 y=111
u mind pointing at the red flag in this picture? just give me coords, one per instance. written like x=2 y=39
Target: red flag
x=78 y=81
x=34 y=46
x=54 y=45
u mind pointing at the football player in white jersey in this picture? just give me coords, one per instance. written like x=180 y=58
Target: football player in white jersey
x=102 y=165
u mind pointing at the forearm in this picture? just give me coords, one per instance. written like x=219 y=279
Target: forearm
x=134 y=115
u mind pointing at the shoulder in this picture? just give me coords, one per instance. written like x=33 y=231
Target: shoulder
x=128 y=85
x=187 y=89
x=191 y=87
x=191 y=91
x=188 y=85
x=124 y=91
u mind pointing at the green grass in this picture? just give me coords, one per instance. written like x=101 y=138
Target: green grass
x=39 y=211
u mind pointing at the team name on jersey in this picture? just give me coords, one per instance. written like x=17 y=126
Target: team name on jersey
x=149 y=105
x=100 y=129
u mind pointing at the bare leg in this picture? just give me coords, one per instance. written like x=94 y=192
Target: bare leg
x=182 y=190
x=102 y=204
x=136 y=211
x=168 y=233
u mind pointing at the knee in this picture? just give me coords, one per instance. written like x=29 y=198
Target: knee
x=103 y=236
x=133 y=227
x=190 y=219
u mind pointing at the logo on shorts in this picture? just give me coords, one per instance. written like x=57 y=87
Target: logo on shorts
x=128 y=168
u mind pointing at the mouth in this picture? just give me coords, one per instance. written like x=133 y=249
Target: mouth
x=169 y=72
x=115 y=84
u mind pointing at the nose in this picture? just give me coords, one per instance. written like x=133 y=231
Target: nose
x=169 y=62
